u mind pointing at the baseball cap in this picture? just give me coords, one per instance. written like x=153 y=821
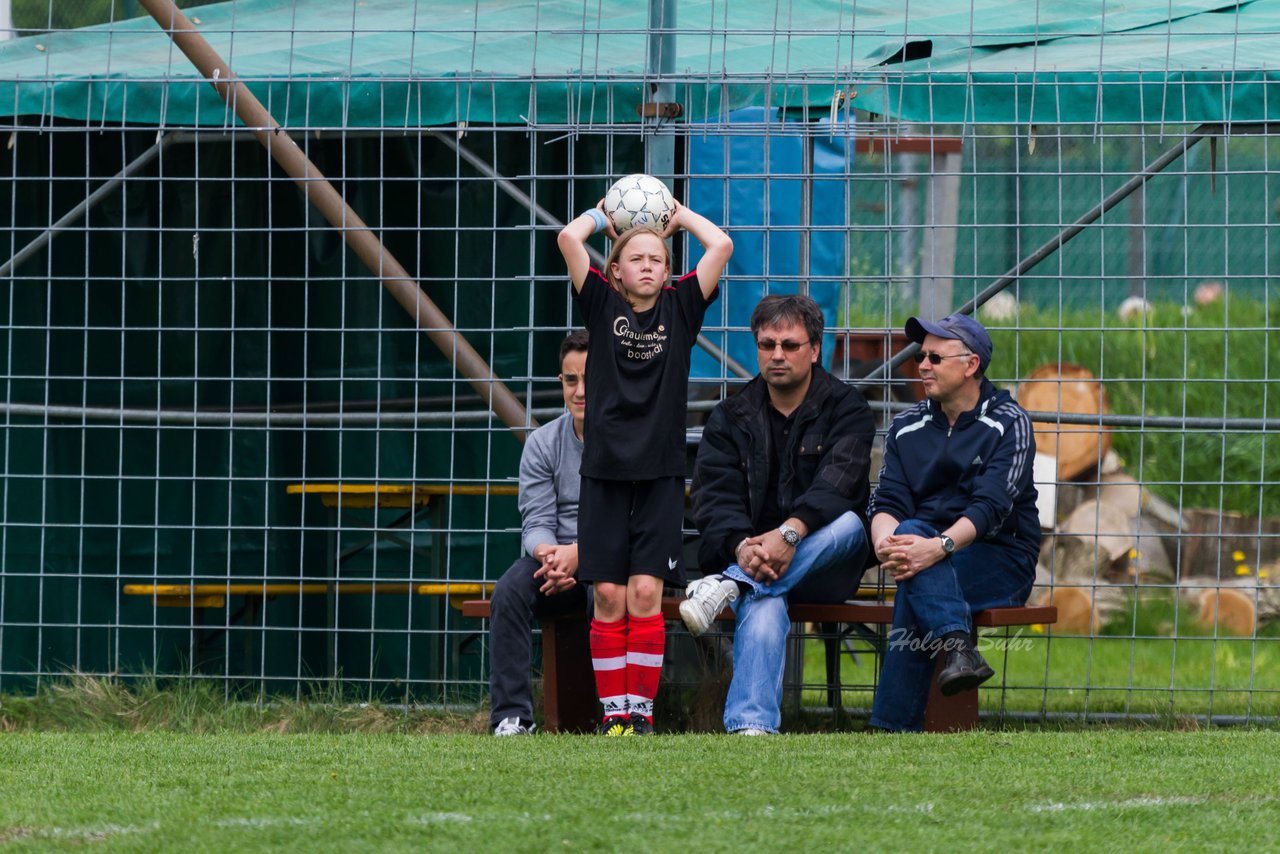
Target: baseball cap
x=961 y=327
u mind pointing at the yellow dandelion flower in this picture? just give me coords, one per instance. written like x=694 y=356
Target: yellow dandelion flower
x=1242 y=570
x=1237 y=555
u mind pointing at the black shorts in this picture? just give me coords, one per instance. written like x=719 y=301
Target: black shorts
x=631 y=527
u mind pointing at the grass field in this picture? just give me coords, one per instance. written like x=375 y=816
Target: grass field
x=1092 y=790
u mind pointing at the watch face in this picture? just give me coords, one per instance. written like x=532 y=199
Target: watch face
x=790 y=536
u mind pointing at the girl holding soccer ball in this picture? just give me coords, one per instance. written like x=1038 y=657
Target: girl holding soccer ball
x=643 y=326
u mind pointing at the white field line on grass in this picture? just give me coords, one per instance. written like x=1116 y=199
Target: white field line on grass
x=102 y=832
x=1129 y=803
x=439 y=818
x=309 y=821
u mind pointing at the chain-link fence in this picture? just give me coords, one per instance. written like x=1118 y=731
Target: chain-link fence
x=229 y=453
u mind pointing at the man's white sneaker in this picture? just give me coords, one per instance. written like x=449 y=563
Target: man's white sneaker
x=707 y=597
x=751 y=730
x=512 y=726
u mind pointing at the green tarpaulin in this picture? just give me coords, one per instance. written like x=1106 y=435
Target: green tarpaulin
x=393 y=63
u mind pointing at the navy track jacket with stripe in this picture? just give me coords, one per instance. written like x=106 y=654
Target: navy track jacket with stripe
x=980 y=468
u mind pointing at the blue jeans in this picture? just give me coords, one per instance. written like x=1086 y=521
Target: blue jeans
x=827 y=567
x=937 y=601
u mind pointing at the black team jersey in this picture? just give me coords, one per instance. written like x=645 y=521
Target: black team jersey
x=638 y=379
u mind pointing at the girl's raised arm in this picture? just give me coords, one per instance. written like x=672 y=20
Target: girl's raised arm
x=573 y=243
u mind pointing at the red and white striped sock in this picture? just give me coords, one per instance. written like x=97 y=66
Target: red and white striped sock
x=646 y=641
x=609 y=661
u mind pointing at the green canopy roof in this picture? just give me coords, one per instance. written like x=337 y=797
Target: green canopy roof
x=398 y=63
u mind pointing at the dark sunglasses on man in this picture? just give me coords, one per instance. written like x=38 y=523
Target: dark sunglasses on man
x=936 y=358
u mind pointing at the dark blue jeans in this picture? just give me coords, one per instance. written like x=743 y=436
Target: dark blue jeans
x=937 y=601
x=516 y=601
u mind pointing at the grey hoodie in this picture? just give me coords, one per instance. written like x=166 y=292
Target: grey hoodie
x=549 y=482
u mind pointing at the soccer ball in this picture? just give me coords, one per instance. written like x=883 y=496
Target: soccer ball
x=639 y=200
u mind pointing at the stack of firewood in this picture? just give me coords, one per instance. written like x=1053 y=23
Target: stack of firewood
x=1105 y=534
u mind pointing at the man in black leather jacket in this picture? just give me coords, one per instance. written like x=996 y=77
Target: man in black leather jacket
x=780 y=492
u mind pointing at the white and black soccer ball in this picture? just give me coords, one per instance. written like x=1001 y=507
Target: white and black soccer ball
x=639 y=200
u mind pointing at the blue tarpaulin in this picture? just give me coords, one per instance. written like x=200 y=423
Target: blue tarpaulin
x=765 y=217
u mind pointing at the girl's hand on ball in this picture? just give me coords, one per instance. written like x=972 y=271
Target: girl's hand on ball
x=674 y=224
x=608 y=221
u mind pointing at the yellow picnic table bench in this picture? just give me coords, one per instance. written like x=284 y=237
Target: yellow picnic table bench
x=338 y=498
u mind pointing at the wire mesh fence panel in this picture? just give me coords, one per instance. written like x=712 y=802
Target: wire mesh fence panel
x=266 y=375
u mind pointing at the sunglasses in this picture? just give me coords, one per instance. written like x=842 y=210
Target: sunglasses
x=936 y=358
x=768 y=345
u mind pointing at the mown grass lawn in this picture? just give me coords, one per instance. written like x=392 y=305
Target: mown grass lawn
x=1102 y=789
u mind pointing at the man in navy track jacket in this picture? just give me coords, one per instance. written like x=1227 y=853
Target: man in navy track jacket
x=953 y=518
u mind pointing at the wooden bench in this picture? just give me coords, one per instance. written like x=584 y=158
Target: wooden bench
x=569 y=695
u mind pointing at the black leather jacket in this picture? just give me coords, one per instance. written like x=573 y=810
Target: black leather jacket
x=824 y=473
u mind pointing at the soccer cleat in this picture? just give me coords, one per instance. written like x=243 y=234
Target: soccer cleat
x=640 y=725
x=513 y=726
x=706 y=598
x=615 y=725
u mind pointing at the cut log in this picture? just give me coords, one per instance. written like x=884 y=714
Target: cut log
x=1232 y=610
x=1238 y=605
x=1082 y=610
x=1216 y=542
x=1064 y=387
x=1095 y=543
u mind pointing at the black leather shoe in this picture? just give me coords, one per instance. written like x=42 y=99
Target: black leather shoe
x=964 y=670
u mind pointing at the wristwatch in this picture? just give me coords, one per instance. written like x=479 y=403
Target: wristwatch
x=948 y=545
x=790 y=535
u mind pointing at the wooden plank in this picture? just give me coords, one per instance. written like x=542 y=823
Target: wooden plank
x=393 y=495
x=456 y=588
x=908 y=145
x=1029 y=615
x=873 y=613
x=214 y=595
